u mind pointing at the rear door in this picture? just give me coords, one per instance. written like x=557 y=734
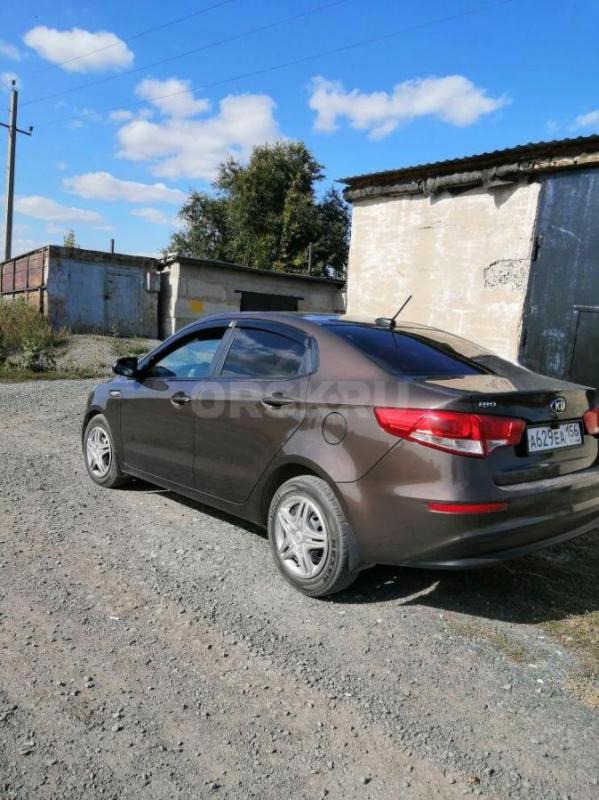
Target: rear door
x=253 y=404
x=157 y=410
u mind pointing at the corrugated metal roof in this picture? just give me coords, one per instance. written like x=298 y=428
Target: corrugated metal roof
x=522 y=152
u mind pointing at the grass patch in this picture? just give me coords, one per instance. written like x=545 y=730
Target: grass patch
x=130 y=347
x=585 y=688
x=27 y=342
x=511 y=649
x=580 y=633
x=12 y=374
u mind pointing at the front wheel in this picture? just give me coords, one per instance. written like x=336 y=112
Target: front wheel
x=100 y=454
x=311 y=539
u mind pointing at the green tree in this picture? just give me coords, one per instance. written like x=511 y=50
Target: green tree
x=206 y=228
x=69 y=239
x=266 y=214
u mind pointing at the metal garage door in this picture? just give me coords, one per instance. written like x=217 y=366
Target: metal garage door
x=561 y=320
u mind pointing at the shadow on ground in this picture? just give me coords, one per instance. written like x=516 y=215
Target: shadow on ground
x=557 y=588
x=550 y=585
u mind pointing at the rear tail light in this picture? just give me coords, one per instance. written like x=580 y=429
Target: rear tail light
x=591 y=421
x=454 y=431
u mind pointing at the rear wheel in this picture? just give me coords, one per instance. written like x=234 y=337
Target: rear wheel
x=311 y=540
x=100 y=454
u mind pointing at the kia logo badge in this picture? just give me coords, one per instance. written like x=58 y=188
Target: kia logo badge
x=558 y=405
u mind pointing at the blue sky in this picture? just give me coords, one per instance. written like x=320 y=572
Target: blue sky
x=119 y=139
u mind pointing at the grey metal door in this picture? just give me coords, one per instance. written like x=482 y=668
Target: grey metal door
x=122 y=302
x=585 y=353
x=558 y=327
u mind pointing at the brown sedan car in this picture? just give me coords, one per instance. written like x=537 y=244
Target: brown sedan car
x=354 y=442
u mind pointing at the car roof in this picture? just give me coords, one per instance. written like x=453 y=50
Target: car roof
x=319 y=319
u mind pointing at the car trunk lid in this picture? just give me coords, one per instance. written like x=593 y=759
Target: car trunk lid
x=552 y=405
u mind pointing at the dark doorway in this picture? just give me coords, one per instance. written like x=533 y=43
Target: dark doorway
x=561 y=318
x=585 y=352
x=259 y=301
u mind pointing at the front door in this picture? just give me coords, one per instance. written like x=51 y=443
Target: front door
x=250 y=409
x=158 y=408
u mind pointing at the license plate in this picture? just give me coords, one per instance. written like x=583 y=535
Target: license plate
x=544 y=437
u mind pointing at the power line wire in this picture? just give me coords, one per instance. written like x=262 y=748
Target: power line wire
x=295 y=62
x=135 y=36
x=199 y=49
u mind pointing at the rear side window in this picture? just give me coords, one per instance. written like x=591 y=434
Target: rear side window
x=263 y=354
x=410 y=354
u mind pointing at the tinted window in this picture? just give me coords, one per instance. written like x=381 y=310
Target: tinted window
x=193 y=359
x=262 y=354
x=413 y=354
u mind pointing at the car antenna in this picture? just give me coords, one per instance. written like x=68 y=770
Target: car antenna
x=389 y=322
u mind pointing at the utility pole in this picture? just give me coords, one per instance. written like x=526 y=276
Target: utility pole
x=310 y=248
x=10 y=168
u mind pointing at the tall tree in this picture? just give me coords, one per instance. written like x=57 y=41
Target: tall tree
x=266 y=214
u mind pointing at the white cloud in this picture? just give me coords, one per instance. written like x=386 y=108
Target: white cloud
x=588 y=120
x=153 y=215
x=47 y=209
x=120 y=115
x=453 y=99
x=104 y=186
x=195 y=147
x=173 y=97
x=60 y=165
x=9 y=51
x=56 y=230
x=79 y=50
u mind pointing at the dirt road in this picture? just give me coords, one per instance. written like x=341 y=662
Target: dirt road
x=149 y=649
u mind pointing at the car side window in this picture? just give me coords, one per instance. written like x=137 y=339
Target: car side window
x=192 y=359
x=259 y=353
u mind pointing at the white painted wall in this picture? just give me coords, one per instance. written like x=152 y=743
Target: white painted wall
x=465 y=258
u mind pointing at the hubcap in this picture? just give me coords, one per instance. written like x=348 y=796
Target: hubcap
x=99 y=452
x=301 y=537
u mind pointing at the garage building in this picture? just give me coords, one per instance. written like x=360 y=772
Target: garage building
x=501 y=248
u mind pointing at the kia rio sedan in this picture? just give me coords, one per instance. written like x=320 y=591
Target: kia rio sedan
x=354 y=442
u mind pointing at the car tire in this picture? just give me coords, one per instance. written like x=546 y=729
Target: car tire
x=100 y=453
x=332 y=564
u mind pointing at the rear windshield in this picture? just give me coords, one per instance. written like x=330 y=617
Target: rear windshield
x=415 y=354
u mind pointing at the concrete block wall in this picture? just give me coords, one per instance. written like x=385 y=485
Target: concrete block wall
x=464 y=257
x=192 y=288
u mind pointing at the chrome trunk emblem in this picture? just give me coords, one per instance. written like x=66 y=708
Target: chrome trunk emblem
x=558 y=405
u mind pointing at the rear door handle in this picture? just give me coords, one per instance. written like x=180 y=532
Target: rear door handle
x=277 y=401
x=180 y=399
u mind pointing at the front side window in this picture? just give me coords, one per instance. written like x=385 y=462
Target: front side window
x=263 y=354
x=192 y=359
x=413 y=354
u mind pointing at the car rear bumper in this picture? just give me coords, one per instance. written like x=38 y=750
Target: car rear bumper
x=439 y=561
x=393 y=527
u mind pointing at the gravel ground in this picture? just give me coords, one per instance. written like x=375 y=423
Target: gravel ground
x=149 y=649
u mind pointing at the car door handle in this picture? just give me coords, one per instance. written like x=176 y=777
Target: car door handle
x=277 y=401
x=180 y=399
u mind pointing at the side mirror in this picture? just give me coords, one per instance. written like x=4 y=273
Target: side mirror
x=126 y=366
